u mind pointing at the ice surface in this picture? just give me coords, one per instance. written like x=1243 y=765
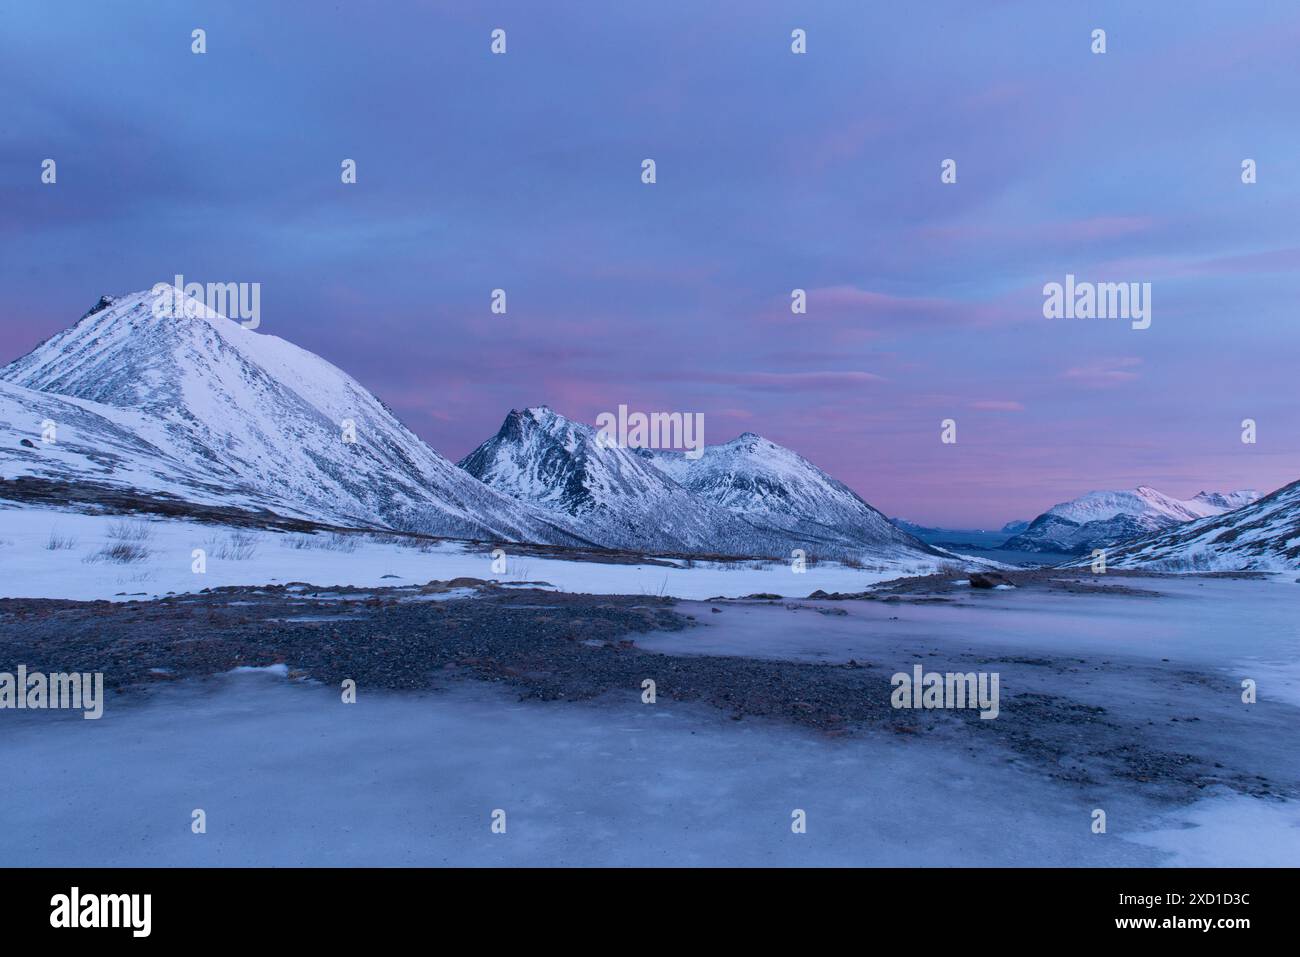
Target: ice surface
x=1192 y=620
x=1229 y=831
x=414 y=779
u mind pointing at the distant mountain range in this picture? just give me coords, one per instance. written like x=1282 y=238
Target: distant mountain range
x=932 y=532
x=1264 y=535
x=200 y=409
x=1103 y=519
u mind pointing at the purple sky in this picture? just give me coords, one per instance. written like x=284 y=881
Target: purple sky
x=775 y=171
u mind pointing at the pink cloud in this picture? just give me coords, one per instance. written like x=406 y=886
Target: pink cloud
x=1104 y=373
x=887 y=312
x=786 y=381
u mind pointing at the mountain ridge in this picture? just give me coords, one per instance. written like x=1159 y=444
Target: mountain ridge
x=1262 y=535
x=1100 y=519
x=739 y=501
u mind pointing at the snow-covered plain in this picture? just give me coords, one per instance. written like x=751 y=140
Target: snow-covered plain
x=30 y=569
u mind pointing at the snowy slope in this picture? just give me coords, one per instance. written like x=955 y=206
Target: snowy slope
x=1216 y=503
x=1101 y=519
x=95 y=443
x=221 y=406
x=1263 y=535
x=778 y=490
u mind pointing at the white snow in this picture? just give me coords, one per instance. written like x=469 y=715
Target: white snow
x=278 y=671
x=1146 y=501
x=31 y=570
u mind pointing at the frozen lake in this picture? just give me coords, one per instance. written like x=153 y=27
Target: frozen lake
x=1237 y=627
x=286 y=774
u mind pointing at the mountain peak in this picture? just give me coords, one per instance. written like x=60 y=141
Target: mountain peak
x=617 y=496
x=520 y=423
x=104 y=303
x=747 y=497
x=254 y=412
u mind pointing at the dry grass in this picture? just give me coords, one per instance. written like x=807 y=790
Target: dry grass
x=119 y=552
x=236 y=547
x=333 y=542
x=59 y=542
x=130 y=532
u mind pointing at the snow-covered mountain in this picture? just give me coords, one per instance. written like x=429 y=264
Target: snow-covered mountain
x=748 y=497
x=776 y=489
x=913 y=528
x=616 y=496
x=198 y=404
x=1262 y=535
x=1101 y=519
